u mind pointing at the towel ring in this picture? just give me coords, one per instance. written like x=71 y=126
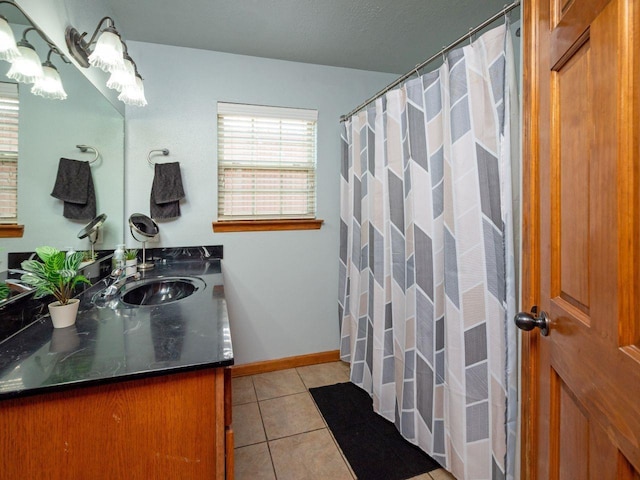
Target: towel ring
x=165 y=152
x=84 y=148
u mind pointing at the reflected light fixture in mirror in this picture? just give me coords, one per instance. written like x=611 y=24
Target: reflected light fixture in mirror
x=106 y=50
x=25 y=62
x=26 y=68
x=91 y=230
x=49 y=85
x=8 y=48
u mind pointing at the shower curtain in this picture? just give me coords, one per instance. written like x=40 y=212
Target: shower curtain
x=427 y=280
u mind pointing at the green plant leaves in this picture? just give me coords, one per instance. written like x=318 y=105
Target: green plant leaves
x=57 y=274
x=46 y=252
x=4 y=291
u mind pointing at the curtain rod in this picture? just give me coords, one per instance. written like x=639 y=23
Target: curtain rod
x=470 y=33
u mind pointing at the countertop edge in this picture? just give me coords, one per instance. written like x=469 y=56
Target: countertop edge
x=110 y=380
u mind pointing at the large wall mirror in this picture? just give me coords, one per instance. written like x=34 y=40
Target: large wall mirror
x=51 y=129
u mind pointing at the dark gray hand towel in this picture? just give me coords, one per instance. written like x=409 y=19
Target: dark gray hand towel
x=82 y=211
x=72 y=181
x=74 y=186
x=166 y=191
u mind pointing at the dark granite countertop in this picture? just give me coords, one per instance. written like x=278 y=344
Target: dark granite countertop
x=112 y=341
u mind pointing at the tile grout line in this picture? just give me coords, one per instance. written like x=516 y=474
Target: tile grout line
x=264 y=429
x=306 y=387
x=344 y=459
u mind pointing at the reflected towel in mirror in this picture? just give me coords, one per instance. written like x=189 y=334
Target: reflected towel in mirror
x=166 y=191
x=74 y=186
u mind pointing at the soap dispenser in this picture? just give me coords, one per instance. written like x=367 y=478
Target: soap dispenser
x=118 y=257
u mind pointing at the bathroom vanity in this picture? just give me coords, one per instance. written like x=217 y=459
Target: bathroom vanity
x=131 y=391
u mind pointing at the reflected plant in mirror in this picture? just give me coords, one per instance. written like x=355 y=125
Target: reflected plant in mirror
x=4 y=291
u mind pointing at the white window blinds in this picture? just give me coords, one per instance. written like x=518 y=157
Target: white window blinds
x=9 y=110
x=266 y=162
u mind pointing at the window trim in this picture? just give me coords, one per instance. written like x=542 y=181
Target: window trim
x=224 y=226
x=11 y=230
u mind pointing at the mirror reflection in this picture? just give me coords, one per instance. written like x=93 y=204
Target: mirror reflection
x=53 y=129
x=92 y=230
x=143 y=229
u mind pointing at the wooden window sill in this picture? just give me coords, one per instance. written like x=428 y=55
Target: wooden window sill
x=266 y=225
x=11 y=231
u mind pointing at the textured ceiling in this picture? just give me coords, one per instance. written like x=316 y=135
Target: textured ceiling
x=379 y=35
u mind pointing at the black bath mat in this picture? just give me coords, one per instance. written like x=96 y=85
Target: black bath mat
x=374 y=448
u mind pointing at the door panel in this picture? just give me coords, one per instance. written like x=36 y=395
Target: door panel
x=571 y=97
x=582 y=406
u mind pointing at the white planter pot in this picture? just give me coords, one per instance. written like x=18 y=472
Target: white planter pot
x=131 y=267
x=64 y=315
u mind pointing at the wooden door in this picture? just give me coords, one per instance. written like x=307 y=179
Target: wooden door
x=581 y=383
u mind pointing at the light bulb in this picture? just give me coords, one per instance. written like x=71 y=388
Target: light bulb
x=49 y=85
x=122 y=78
x=8 y=48
x=108 y=54
x=27 y=67
x=134 y=94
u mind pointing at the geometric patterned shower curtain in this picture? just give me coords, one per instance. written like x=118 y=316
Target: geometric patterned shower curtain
x=427 y=270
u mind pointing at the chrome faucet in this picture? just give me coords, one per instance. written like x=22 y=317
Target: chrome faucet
x=117 y=277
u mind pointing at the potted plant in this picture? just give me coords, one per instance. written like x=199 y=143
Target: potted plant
x=57 y=275
x=131 y=261
x=87 y=258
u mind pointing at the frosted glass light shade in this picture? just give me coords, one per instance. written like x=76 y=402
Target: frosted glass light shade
x=134 y=94
x=26 y=68
x=8 y=48
x=49 y=85
x=122 y=78
x=108 y=54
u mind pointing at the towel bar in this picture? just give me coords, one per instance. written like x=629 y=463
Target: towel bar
x=84 y=148
x=165 y=152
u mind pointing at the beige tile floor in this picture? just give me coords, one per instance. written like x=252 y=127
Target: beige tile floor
x=280 y=433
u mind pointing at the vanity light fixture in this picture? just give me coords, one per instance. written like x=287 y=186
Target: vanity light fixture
x=134 y=94
x=26 y=68
x=49 y=85
x=8 y=48
x=109 y=54
x=25 y=62
x=124 y=77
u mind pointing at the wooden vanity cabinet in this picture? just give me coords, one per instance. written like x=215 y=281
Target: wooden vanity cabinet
x=170 y=426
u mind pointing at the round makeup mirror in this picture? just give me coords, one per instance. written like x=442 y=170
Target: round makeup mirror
x=143 y=229
x=91 y=230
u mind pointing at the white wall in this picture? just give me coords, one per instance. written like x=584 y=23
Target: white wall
x=281 y=287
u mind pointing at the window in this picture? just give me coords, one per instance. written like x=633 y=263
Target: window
x=266 y=163
x=9 y=109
